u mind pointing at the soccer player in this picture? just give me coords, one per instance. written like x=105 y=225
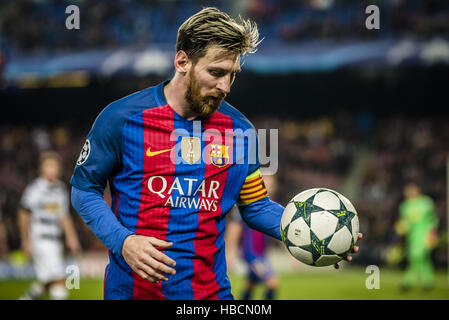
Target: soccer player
x=43 y=217
x=418 y=221
x=172 y=156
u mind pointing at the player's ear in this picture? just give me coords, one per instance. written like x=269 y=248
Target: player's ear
x=182 y=62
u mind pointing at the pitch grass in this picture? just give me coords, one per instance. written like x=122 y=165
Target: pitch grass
x=330 y=285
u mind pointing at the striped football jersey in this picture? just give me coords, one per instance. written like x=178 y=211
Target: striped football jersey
x=175 y=180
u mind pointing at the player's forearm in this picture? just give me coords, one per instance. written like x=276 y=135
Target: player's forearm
x=68 y=228
x=24 y=224
x=96 y=213
x=264 y=216
x=3 y=239
x=233 y=234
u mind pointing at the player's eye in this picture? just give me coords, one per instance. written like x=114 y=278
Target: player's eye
x=216 y=73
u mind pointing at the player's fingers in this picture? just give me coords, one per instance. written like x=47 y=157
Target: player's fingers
x=156 y=254
x=348 y=258
x=355 y=249
x=151 y=272
x=158 y=266
x=159 y=243
x=145 y=276
x=360 y=236
x=151 y=266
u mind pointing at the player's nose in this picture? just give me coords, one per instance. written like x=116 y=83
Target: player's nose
x=224 y=85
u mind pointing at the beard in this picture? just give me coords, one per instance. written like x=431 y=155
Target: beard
x=206 y=105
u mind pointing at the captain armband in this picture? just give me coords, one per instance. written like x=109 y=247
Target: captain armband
x=253 y=189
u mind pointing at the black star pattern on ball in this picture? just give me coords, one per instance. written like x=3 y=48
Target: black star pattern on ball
x=344 y=217
x=318 y=247
x=305 y=209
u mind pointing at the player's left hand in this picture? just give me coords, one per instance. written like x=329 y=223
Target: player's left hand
x=354 y=250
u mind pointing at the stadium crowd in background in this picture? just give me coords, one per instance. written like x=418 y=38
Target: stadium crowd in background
x=29 y=25
x=397 y=148
x=312 y=152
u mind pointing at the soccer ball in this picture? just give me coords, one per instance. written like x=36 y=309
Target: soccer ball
x=319 y=227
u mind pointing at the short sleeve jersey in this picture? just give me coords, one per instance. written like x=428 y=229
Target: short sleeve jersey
x=48 y=202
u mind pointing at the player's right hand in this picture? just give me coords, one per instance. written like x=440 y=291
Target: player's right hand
x=354 y=250
x=147 y=261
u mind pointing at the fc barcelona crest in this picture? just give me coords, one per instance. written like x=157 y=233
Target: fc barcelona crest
x=191 y=149
x=219 y=155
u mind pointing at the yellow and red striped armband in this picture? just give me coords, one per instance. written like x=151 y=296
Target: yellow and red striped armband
x=253 y=189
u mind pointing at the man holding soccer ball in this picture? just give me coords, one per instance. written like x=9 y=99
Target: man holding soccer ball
x=171 y=192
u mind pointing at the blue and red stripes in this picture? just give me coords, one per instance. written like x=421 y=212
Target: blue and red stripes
x=153 y=216
x=197 y=231
x=126 y=204
x=183 y=221
x=205 y=283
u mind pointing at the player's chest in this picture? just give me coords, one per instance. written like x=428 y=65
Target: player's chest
x=189 y=168
x=162 y=145
x=48 y=201
x=183 y=160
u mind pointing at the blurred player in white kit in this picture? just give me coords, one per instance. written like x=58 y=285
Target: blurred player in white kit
x=43 y=218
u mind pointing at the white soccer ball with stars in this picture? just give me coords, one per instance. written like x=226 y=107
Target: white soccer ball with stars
x=319 y=227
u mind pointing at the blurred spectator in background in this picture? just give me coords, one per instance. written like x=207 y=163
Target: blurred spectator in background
x=43 y=218
x=254 y=250
x=418 y=222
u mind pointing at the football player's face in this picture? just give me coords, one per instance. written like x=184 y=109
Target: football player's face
x=411 y=191
x=51 y=169
x=210 y=80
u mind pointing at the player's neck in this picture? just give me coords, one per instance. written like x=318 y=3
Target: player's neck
x=48 y=180
x=174 y=92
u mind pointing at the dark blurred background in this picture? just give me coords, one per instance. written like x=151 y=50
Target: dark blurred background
x=359 y=111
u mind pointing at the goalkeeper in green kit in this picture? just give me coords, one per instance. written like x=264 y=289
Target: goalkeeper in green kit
x=418 y=221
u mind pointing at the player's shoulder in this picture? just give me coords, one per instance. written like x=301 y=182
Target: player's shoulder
x=61 y=185
x=427 y=200
x=238 y=118
x=122 y=109
x=33 y=185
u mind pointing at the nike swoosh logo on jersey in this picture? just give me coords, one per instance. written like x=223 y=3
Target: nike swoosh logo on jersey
x=155 y=153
